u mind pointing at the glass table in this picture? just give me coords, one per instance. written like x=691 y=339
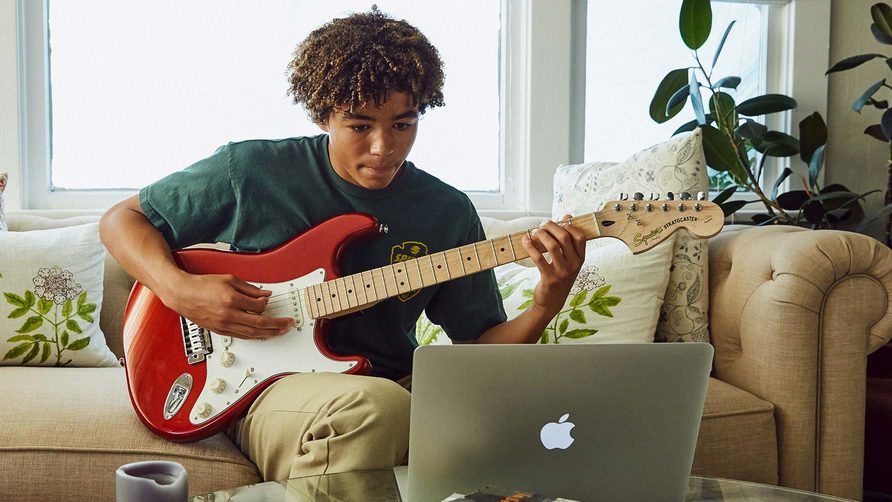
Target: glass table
x=386 y=485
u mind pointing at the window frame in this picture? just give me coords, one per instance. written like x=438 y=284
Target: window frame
x=542 y=103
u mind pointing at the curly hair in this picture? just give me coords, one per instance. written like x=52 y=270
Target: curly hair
x=350 y=62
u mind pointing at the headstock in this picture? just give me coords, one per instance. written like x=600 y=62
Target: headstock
x=642 y=224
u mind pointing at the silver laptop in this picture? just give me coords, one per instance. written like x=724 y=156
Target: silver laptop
x=585 y=422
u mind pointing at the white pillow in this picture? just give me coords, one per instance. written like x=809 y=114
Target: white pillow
x=52 y=292
x=3 y=178
x=676 y=165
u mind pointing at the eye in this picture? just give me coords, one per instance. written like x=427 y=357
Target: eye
x=402 y=126
x=360 y=128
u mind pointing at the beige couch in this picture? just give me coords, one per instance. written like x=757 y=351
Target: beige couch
x=794 y=314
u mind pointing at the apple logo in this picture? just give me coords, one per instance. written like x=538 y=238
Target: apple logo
x=557 y=434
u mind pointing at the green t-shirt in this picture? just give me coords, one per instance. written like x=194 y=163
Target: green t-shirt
x=256 y=195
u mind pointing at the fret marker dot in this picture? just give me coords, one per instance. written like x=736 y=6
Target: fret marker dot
x=502 y=250
x=318 y=299
x=333 y=295
x=349 y=290
x=439 y=266
x=402 y=284
x=399 y=270
x=368 y=286
x=469 y=258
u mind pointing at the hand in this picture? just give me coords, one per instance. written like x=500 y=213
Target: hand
x=226 y=305
x=566 y=248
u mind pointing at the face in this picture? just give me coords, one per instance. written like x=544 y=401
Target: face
x=368 y=146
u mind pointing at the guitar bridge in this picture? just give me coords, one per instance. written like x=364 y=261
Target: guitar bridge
x=196 y=340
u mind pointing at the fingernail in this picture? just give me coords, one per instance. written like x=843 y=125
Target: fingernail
x=525 y=240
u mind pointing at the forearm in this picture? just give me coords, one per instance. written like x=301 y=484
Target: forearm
x=525 y=328
x=139 y=247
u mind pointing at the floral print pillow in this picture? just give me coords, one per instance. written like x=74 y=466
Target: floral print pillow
x=676 y=165
x=51 y=282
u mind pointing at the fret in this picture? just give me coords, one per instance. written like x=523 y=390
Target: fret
x=454 y=263
x=368 y=285
x=502 y=249
x=438 y=262
x=511 y=246
x=389 y=281
x=469 y=259
x=326 y=298
x=342 y=293
x=486 y=255
x=430 y=263
x=378 y=276
x=359 y=288
x=414 y=273
x=308 y=302
x=401 y=277
x=319 y=301
x=351 y=291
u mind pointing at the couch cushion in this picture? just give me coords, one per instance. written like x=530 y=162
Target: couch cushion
x=738 y=436
x=66 y=430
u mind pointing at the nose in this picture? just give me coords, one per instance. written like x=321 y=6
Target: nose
x=382 y=143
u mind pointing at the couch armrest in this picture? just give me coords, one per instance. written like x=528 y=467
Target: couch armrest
x=793 y=315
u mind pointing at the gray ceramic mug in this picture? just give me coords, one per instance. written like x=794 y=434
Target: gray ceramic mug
x=151 y=481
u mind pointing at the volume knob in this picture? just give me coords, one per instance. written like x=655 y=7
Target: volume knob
x=226 y=358
x=204 y=410
x=218 y=385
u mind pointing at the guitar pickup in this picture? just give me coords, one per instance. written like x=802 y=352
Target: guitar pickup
x=196 y=341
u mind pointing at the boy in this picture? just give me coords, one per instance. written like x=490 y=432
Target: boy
x=365 y=80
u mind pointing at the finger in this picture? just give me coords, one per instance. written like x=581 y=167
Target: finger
x=564 y=239
x=248 y=288
x=533 y=251
x=247 y=303
x=578 y=238
x=247 y=331
x=262 y=322
x=543 y=235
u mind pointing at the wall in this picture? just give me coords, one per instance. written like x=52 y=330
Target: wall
x=9 y=146
x=853 y=158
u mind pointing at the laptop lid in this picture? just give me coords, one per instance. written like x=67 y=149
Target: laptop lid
x=586 y=422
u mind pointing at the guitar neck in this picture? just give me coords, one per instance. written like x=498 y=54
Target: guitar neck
x=355 y=292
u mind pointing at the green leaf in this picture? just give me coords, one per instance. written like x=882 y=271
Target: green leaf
x=40 y=338
x=44 y=306
x=727 y=83
x=578 y=298
x=525 y=305
x=722 y=44
x=563 y=326
x=763 y=105
x=852 y=62
x=64 y=339
x=751 y=131
x=725 y=195
x=86 y=317
x=780 y=179
x=886 y=123
x=603 y=290
x=720 y=153
x=19 y=312
x=46 y=353
x=509 y=289
x=690 y=126
x=15 y=300
x=731 y=207
x=602 y=307
x=29 y=299
x=73 y=326
x=580 y=333
x=672 y=82
x=695 y=22
x=815 y=165
x=868 y=94
x=812 y=134
x=882 y=18
x=21 y=338
x=696 y=99
x=879 y=35
x=31 y=324
x=678 y=99
x=725 y=102
x=79 y=344
x=66 y=308
x=876 y=131
x=81 y=299
x=17 y=351
x=544 y=338
x=528 y=293
x=778 y=144
x=35 y=349
x=578 y=316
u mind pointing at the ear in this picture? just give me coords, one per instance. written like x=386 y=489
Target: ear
x=323 y=125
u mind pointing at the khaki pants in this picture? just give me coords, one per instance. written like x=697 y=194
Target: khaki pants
x=321 y=423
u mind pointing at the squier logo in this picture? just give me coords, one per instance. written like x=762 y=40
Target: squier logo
x=407 y=251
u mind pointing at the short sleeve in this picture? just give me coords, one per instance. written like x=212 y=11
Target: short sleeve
x=195 y=205
x=465 y=308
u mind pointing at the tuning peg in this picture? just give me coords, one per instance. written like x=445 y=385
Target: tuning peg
x=701 y=196
x=638 y=196
x=654 y=196
x=685 y=196
x=670 y=196
x=623 y=196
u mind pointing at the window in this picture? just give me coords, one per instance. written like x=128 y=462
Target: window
x=523 y=95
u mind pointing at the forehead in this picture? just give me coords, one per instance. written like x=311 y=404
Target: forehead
x=397 y=104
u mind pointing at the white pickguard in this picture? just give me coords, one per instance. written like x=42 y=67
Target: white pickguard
x=257 y=360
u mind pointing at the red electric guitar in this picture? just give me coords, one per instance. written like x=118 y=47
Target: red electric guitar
x=187 y=383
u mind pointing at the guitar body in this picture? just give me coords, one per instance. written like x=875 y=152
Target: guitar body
x=187 y=383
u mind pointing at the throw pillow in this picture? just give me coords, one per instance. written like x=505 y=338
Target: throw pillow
x=52 y=291
x=3 y=178
x=676 y=165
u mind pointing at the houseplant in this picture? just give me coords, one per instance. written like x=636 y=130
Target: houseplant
x=737 y=143
x=881 y=28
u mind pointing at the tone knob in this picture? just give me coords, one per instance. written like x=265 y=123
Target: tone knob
x=226 y=359
x=218 y=385
x=204 y=410
x=226 y=341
